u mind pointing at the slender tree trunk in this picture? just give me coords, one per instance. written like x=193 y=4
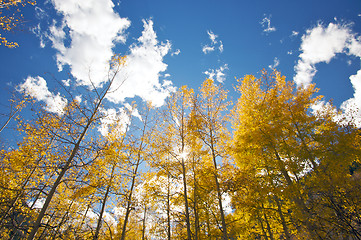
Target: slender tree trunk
x=306 y=216
x=139 y=159
x=208 y=225
x=129 y=199
x=18 y=195
x=195 y=193
x=99 y=224
x=269 y=230
x=219 y=194
x=168 y=209
x=65 y=167
x=144 y=221
x=62 y=221
x=85 y=215
x=51 y=193
x=284 y=225
x=262 y=227
x=47 y=224
x=9 y=119
x=186 y=205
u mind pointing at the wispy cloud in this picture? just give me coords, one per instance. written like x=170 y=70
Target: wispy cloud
x=275 y=64
x=215 y=44
x=212 y=36
x=207 y=49
x=217 y=74
x=266 y=24
x=321 y=44
x=176 y=52
x=294 y=34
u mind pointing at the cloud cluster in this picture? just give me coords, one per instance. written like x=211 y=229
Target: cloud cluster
x=266 y=24
x=321 y=44
x=38 y=89
x=117 y=121
x=217 y=74
x=275 y=64
x=215 y=44
x=93 y=29
x=141 y=73
x=84 y=40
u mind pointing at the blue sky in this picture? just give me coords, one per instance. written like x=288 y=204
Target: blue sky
x=173 y=43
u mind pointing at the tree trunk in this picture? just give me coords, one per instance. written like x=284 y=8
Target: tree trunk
x=269 y=230
x=219 y=194
x=168 y=209
x=66 y=165
x=189 y=237
x=306 y=216
x=144 y=221
x=284 y=225
x=196 y=217
x=129 y=201
x=99 y=224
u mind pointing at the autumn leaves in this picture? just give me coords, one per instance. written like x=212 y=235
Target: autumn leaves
x=168 y=173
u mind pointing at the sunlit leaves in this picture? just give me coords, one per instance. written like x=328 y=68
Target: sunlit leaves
x=10 y=21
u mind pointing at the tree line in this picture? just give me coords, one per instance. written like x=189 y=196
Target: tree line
x=200 y=167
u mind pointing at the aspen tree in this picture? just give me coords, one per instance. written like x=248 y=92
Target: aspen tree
x=173 y=141
x=258 y=115
x=139 y=151
x=208 y=124
x=78 y=136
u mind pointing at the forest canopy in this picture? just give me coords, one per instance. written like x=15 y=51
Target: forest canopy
x=267 y=166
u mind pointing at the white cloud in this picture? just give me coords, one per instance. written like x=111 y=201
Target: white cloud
x=217 y=74
x=40 y=13
x=294 y=34
x=266 y=24
x=213 y=45
x=142 y=70
x=321 y=44
x=227 y=203
x=39 y=203
x=176 y=52
x=212 y=36
x=92 y=29
x=38 y=89
x=352 y=106
x=78 y=98
x=114 y=120
x=133 y=111
x=39 y=33
x=207 y=49
x=84 y=41
x=276 y=62
x=220 y=48
x=66 y=82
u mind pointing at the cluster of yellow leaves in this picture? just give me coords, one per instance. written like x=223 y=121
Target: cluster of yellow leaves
x=288 y=156
x=8 y=23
